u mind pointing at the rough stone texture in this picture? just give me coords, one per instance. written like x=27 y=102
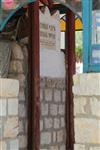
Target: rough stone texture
x=12 y=103
x=3 y=145
x=52 y=96
x=85 y=84
x=19 y=70
x=11 y=128
x=95 y=106
x=79 y=147
x=41 y=125
x=23 y=141
x=14 y=145
x=8 y=88
x=48 y=122
x=56 y=123
x=48 y=95
x=16 y=67
x=3 y=107
x=52 y=124
x=95 y=148
x=54 y=148
x=45 y=138
x=87 y=130
x=53 y=109
x=9 y=124
x=60 y=136
x=17 y=51
x=62 y=147
x=44 y=109
x=86 y=91
x=57 y=95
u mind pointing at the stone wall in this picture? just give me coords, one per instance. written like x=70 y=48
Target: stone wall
x=87 y=111
x=9 y=124
x=18 y=69
x=52 y=123
x=53 y=134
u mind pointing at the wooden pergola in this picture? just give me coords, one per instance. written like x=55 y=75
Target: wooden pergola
x=34 y=65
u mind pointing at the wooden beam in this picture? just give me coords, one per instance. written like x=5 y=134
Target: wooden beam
x=34 y=78
x=70 y=71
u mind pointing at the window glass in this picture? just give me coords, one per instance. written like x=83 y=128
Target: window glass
x=96 y=32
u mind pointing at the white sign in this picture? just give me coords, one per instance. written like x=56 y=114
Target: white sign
x=49 y=30
x=48 y=36
x=52 y=60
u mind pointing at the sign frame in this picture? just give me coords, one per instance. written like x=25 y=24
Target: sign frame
x=88 y=65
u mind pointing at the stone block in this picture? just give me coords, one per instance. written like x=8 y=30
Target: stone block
x=1 y=129
x=41 y=94
x=62 y=122
x=87 y=84
x=45 y=138
x=54 y=148
x=54 y=137
x=22 y=110
x=9 y=88
x=41 y=125
x=23 y=142
x=16 y=51
x=21 y=95
x=63 y=96
x=53 y=109
x=61 y=110
x=79 y=147
x=63 y=147
x=24 y=41
x=87 y=131
x=3 y=107
x=60 y=136
x=44 y=109
x=16 y=67
x=13 y=106
x=48 y=122
x=57 y=95
x=14 y=144
x=43 y=149
x=25 y=52
x=21 y=126
x=95 y=148
x=95 y=106
x=11 y=128
x=80 y=104
x=21 y=78
x=48 y=94
x=56 y=123
x=3 y=145
x=26 y=125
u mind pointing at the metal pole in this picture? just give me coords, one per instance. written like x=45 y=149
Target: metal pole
x=34 y=77
x=70 y=71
